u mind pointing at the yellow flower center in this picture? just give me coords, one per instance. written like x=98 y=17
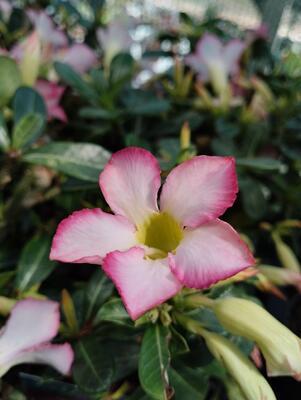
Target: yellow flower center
x=161 y=232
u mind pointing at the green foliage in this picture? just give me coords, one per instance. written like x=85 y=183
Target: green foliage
x=81 y=160
x=10 y=79
x=153 y=362
x=50 y=168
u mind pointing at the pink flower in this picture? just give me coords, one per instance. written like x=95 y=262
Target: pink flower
x=215 y=61
x=52 y=93
x=26 y=335
x=114 y=39
x=79 y=56
x=150 y=251
x=46 y=29
x=5 y=9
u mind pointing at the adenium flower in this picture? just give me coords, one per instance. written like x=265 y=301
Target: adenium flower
x=79 y=56
x=54 y=45
x=280 y=347
x=216 y=62
x=151 y=250
x=52 y=94
x=46 y=29
x=5 y=9
x=26 y=335
x=114 y=39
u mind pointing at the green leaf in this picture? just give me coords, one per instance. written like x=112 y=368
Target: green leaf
x=98 y=113
x=73 y=79
x=139 y=102
x=27 y=130
x=28 y=101
x=93 y=368
x=113 y=311
x=4 y=138
x=153 y=362
x=10 y=79
x=80 y=160
x=188 y=383
x=34 y=264
x=97 y=291
x=121 y=68
x=260 y=163
x=178 y=344
x=253 y=197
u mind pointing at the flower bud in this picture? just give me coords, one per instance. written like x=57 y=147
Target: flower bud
x=281 y=276
x=286 y=255
x=280 y=347
x=30 y=62
x=251 y=383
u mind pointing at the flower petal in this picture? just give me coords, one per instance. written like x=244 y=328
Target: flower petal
x=46 y=28
x=60 y=357
x=86 y=236
x=130 y=183
x=52 y=93
x=200 y=189
x=194 y=61
x=231 y=55
x=31 y=323
x=209 y=49
x=208 y=254
x=79 y=56
x=142 y=283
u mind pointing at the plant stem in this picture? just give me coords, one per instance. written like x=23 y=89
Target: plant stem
x=190 y=324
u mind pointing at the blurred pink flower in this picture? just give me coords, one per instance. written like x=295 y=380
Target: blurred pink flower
x=115 y=38
x=5 y=9
x=46 y=29
x=216 y=62
x=52 y=93
x=26 y=336
x=79 y=56
x=151 y=252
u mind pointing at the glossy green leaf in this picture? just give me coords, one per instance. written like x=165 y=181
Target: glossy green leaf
x=98 y=113
x=260 y=163
x=154 y=361
x=10 y=79
x=178 y=344
x=34 y=265
x=113 y=311
x=28 y=101
x=97 y=292
x=121 y=68
x=81 y=160
x=93 y=367
x=139 y=102
x=73 y=79
x=253 y=198
x=188 y=383
x=27 y=130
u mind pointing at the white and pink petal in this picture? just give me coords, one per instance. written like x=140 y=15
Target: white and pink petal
x=141 y=282
x=31 y=323
x=87 y=236
x=209 y=49
x=231 y=54
x=57 y=356
x=200 y=190
x=130 y=183
x=79 y=56
x=208 y=254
